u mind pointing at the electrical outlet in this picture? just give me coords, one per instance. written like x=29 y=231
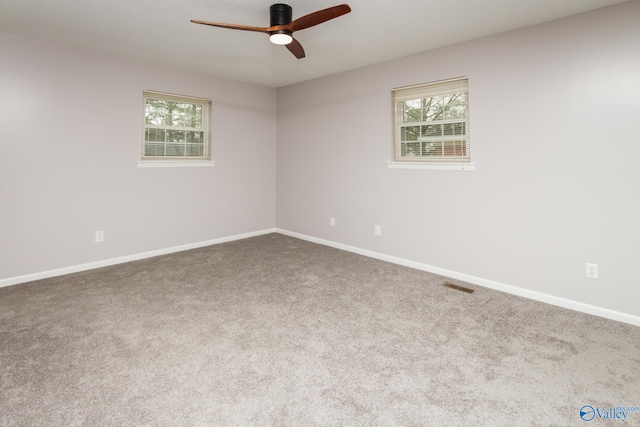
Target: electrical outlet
x=377 y=230
x=592 y=271
x=99 y=236
x=332 y=221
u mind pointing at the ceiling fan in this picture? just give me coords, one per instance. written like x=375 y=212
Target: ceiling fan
x=281 y=27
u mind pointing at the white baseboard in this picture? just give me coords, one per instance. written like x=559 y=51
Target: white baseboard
x=120 y=260
x=514 y=290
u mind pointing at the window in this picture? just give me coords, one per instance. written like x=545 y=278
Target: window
x=176 y=128
x=432 y=123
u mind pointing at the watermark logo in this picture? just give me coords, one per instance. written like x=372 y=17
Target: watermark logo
x=587 y=413
x=620 y=413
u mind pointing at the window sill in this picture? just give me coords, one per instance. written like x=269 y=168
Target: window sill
x=175 y=164
x=433 y=166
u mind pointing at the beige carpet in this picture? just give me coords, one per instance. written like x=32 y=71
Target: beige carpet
x=277 y=331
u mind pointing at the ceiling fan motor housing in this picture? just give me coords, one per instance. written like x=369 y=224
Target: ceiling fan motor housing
x=281 y=14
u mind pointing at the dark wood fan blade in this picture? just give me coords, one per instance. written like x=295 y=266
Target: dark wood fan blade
x=296 y=48
x=233 y=26
x=318 y=17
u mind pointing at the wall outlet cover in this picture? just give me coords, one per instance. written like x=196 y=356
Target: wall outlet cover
x=592 y=271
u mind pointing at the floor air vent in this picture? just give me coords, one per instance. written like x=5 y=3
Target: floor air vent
x=458 y=288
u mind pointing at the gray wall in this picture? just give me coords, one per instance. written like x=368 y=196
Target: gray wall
x=70 y=134
x=554 y=111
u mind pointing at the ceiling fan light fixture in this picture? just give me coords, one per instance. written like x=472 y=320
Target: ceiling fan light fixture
x=281 y=38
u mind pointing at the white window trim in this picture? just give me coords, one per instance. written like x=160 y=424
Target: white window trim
x=426 y=163
x=470 y=167
x=177 y=162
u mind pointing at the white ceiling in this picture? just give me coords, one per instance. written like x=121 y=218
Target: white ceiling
x=159 y=31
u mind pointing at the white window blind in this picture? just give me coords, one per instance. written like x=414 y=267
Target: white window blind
x=176 y=127
x=431 y=122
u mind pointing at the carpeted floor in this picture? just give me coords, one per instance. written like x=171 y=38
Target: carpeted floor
x=277 y=331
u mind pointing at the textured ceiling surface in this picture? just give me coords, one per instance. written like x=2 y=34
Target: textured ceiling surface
x=160 y=31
